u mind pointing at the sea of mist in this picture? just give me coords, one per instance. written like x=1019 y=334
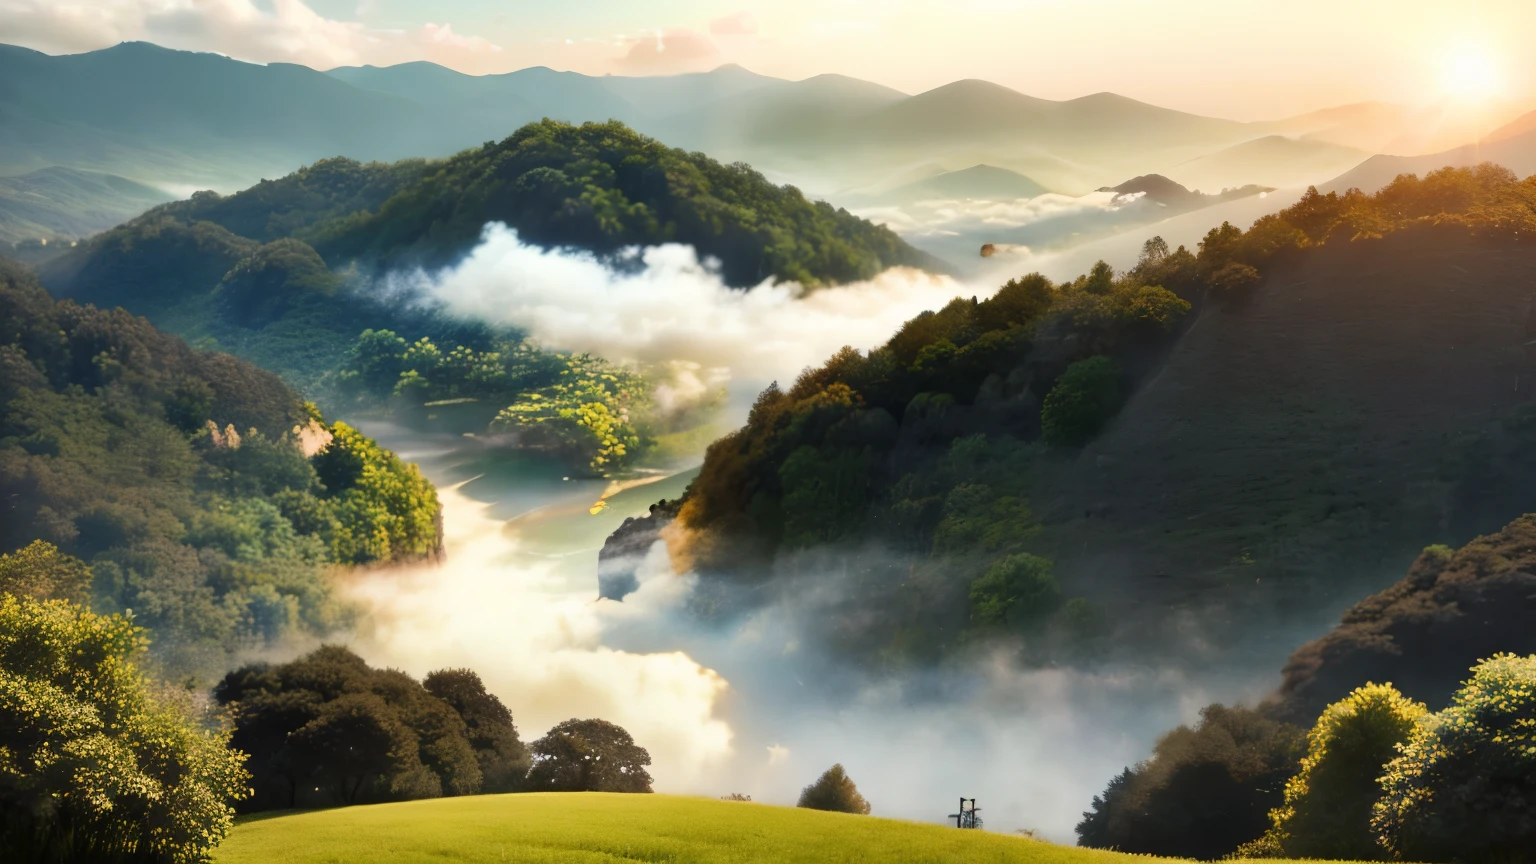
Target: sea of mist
x=749 y=705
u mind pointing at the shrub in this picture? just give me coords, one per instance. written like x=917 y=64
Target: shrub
x=1014 y=590
x=1327 y=810
x=1464 y=787
x=93 y=766
x=834 y=791
x=1083 y=400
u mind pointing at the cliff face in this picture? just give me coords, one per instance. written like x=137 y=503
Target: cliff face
x=1423 y=633
x=626 y=547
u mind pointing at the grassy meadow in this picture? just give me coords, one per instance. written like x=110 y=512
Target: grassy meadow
x=588 y=828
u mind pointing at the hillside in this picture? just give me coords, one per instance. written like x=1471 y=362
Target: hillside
x=204 y=493
x=1273 y=160
x=551 y=827
x=978 y=181
x=64 y=204
x=1244 y=439
x=1514 y=148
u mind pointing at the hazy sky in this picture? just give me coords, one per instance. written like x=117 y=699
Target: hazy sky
x=1245 y=59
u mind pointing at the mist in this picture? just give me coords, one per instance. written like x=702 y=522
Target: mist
x=752 y=705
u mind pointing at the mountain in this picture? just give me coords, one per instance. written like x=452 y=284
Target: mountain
x=63 y=204
x=1273 y=160
x=182 y=121
x=1253 y=435
x=1513 y=147
x=978 y=181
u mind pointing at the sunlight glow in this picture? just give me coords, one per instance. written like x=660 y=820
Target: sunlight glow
x=1471 y=76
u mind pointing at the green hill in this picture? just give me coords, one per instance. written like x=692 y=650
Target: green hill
x=535 y=828
x=62 y=203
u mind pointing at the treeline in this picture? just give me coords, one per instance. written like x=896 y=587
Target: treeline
x=910 y=465
x=205 y=495
x=1380 y=776
x=103 y=765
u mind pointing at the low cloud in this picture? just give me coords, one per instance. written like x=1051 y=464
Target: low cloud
x=670 y=51
x=287 y=31
x=738 y=24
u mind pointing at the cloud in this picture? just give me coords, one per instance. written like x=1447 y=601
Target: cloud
x=737 y=24
x=289 y=31
x=667 y=306
x=670 y=50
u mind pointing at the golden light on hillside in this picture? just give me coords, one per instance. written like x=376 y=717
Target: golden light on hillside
x=1471 y=76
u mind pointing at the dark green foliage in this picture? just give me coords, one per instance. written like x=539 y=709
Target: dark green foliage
x=1014 y=591
x=834 y=791
x=180 y=477
x=503 y=758
x=1083 y=400
x=1464 y=785
x=588 y=756
x=96 y=766
x=327 y=720
x=602 y=186
x=1205 y=791
x=272 y=282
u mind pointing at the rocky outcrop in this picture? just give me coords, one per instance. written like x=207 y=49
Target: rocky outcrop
x=626 y=547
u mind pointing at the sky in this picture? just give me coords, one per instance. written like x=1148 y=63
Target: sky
x=1241 y=59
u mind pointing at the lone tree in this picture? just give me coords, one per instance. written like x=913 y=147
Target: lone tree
x=834 y=791
x=589 y=756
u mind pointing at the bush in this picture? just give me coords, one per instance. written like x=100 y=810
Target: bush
x=93 y=766
x=1464 y=787
x=1083 y=400
x=1014 y=590
x=834 y=791
x=1327 y=811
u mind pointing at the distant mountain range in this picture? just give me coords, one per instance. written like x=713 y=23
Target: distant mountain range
x=1512 y=145
x=184 y=121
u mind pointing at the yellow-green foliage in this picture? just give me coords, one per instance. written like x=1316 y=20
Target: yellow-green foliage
x=1465 y=783
x=93 y=766
x=42 y=572
x=1327 y=810
x=384 y=509
x=592 y=411
x=533 y=828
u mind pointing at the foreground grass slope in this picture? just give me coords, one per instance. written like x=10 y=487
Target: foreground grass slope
x=593 y=827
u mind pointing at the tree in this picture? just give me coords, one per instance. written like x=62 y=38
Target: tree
x=1327 y=810
x=93 y=765
x=1083 y=400
x=42 y=572
x=1464 y=787
x=502 y=756
x=589 y=756
x=357 y=741
x=1014 y=591
x=1206 y=790
x=834 y=791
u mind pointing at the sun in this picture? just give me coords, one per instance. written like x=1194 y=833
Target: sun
x=1471 y=76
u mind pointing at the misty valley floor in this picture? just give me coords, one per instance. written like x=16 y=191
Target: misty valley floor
x=593 y=827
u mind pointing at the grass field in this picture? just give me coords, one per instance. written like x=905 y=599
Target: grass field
x=590 y=828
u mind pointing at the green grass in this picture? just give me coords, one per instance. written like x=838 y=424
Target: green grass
x=588 y=828
x=592 y=827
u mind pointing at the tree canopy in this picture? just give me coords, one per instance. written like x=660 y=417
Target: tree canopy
x=588 y=756
x=834 y=790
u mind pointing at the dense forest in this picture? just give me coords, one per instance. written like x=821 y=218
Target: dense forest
x=282 y=273
x=907 y=470
x=204 y=494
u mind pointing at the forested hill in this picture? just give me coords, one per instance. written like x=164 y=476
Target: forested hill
x=201 y=492
x=1180 y=455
